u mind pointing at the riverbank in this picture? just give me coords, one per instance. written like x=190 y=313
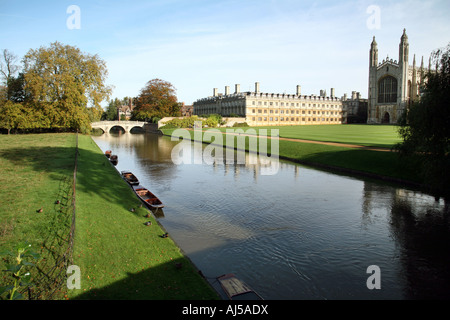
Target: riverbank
x=363 y=161
x=122 y=258
x=118 y=255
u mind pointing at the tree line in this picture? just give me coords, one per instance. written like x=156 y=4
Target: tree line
x=57 y=88
x=60 y=88
x=425 y=126
x=156 y=100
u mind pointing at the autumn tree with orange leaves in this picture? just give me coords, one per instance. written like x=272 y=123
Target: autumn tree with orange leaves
x=156 y=100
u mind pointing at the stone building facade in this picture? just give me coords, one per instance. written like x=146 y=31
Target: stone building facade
x=124 y=111
x=392 y=84
x=274 y=109
x=356 y=108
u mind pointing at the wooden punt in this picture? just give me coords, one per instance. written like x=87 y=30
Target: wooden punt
x=130 y=177
x=237 y=289
x=114 y=159
x=147 y=197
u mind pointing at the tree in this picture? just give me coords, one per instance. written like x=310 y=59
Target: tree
x=8 y=68
x=425 y=127
x=111 y=110
x=11 y=114
x=8 y=65
x=156 y=99
x=16 y=89
x=66 y=85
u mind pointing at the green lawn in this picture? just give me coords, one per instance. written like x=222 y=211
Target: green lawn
x=385 y=165
x=365 y=135
x=119 y=257
x=36 y=170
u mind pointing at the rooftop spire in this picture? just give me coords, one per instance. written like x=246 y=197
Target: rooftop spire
x=403 y=49
x=404 y=37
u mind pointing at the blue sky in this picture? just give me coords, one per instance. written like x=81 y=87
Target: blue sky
x=198 y=45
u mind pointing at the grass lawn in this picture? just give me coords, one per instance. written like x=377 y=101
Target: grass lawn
x=35 y=171
x=388 y=165
x=119 y=257
x=365 y=135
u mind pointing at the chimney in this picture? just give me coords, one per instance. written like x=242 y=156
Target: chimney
x=237 y=88
x=227 y=90
x=215 y=92
x=321 y=93
x=332 y=92
x=299 y=90
x=256 y=87
x=353 y=95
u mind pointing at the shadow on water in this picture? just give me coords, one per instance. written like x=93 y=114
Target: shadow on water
x=425 y=240
x=385 y=167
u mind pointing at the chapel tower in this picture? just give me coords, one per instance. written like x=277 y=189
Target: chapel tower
x=392 y=85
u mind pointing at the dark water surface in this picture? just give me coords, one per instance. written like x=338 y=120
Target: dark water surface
x=298 y=234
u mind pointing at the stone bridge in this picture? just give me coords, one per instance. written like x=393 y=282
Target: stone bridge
x=126 y=125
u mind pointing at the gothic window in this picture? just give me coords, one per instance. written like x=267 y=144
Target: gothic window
x=387 y=90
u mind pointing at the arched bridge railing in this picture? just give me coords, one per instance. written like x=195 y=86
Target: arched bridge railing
x=126 y=125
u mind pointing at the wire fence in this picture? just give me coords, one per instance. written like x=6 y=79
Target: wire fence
x=58 y=242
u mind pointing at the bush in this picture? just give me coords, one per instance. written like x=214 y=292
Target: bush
x=180 y=123
x=240 y=124
x=168 y=126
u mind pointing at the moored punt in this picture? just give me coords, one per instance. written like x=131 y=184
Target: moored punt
x=114 y=159
x=237 y=289
x=108 y=153
x=147 y=197
x=130 y=178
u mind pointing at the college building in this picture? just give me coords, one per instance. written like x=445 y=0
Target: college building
x=274 y=109
x=393 y=84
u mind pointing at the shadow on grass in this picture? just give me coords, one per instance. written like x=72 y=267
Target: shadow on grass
x=177 y=280
x=385 y=166
x=95 y=176
x=56 y=161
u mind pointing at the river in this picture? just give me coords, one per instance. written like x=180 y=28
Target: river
x=301 y=233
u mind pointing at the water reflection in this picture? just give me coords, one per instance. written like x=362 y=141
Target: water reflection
x=420 y=226
x=299 y=234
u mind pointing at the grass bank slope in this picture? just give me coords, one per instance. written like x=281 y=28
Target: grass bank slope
x=120 y=257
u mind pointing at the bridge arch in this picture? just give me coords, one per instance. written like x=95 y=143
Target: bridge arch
x=106 y=126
